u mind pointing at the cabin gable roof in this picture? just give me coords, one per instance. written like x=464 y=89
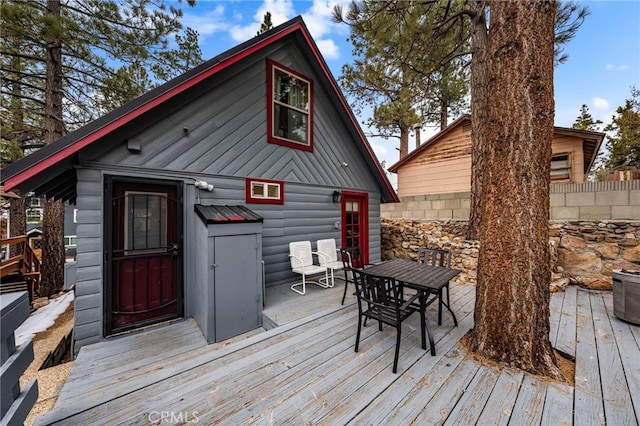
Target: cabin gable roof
x=55 y=161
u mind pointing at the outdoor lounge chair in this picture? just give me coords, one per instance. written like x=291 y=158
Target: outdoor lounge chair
x=301 y=258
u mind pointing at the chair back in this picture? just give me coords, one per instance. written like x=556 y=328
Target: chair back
x=434 y=257
x=351 y=257
x=300 y=254
x=327 y=250
x=376 y=291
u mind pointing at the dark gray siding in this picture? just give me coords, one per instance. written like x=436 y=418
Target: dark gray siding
x=88 y=290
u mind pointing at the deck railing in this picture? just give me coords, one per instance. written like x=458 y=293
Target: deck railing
x=18 y=258
x=16 y=404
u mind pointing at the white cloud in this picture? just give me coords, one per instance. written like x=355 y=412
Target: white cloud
x=328 y=48
x=621 y=67
x=281 y=11
x=600 y=103
x=211 y=22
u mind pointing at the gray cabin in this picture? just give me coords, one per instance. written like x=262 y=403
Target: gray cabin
x=216 y=170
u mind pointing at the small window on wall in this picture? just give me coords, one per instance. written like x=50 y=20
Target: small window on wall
x=560 y=167
x=289 y=106
x=261 y=191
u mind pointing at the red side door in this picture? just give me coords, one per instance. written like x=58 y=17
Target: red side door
x=355 y=222
x=144 y=254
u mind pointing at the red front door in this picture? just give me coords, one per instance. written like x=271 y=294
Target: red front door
x=144 y=254
x=355 y=222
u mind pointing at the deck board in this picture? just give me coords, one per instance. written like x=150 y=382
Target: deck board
x=305 y=371
x=617 y=401
x=588 y=392
x=629 y=349
x=566 y=338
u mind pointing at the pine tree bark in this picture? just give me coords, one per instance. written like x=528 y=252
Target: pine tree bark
x=479 y=95
x=17 y=222
x=53 y=257
x=512 y=295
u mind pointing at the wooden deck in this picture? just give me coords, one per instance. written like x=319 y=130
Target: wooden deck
x=305 y=372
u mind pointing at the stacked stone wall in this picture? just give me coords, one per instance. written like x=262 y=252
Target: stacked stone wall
x=582 y=252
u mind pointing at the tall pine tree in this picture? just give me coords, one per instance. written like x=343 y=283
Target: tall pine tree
x=70 y=62
x=623 y=140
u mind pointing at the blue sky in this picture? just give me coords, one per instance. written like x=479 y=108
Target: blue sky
x=604 y=57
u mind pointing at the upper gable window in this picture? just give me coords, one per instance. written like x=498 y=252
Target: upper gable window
x=289 y=107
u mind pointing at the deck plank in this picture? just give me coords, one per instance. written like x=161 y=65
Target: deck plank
x=500 y=405
x=469 y=408
x=447 y=396
x=558 y=405
x=618 y=408
x=588 y=403
x=566 y=338
x=629 y=349
x=555 y=310
x=530 y=402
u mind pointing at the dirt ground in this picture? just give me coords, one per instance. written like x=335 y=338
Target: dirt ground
x=50 y=380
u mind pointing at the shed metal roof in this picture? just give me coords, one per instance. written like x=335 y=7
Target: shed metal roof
x=226 y=214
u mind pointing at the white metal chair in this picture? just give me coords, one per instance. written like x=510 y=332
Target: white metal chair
x=301 y=258
x=328 y=257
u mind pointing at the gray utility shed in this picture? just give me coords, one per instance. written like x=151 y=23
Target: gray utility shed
x=228 y=288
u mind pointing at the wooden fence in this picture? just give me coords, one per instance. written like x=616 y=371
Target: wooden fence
x=15 y=404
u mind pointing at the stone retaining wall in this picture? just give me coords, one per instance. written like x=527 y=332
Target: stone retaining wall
x=583 y=252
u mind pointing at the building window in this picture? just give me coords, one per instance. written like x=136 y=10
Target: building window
x=34 y=215
x=263 y=191
x=560 y=167
x=70 y=240
x=290 y=107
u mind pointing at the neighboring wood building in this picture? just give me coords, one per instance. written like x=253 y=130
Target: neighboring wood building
x=443 y=163
x=262 y=128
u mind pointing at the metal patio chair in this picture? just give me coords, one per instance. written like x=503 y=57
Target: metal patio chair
x=301 y=258
x=379 y=298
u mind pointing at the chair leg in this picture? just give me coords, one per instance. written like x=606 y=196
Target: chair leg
x=346 y=284
x=398 y=338
x=304 y=287
x=358 y=333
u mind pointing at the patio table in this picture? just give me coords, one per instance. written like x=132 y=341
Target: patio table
x=426 y=279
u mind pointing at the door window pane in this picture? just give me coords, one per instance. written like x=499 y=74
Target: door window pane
x=146 y=223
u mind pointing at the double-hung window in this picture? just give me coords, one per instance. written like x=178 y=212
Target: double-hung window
x=289 y=107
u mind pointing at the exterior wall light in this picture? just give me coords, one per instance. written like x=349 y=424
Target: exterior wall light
x=337 y=196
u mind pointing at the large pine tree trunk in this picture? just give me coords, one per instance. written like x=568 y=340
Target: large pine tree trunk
x=479 y=96
x=512 y=302
x=53 y=223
